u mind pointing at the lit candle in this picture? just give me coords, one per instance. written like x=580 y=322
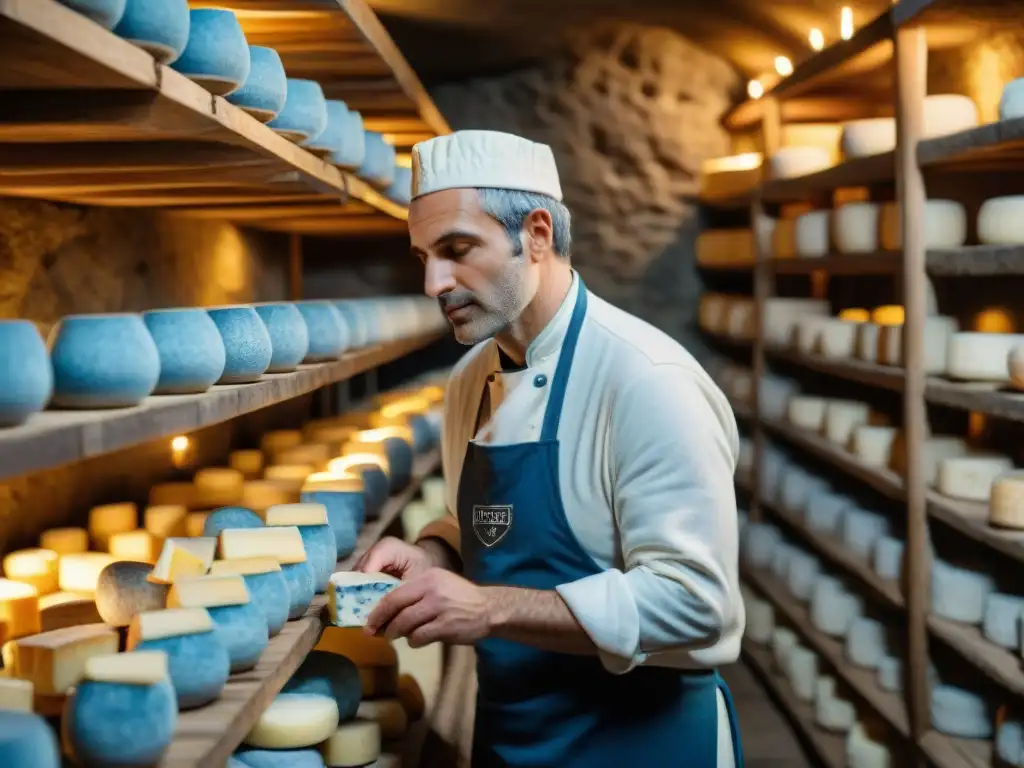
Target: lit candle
x=754 y=89
x=783 y=66
x=817 y=39
x=846 y=23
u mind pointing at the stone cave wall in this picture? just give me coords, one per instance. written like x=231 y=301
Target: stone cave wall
x=630 y=113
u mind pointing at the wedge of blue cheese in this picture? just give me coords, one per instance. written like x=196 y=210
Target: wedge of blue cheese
x=352 y=596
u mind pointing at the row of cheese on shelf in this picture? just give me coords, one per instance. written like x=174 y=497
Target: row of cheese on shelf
x=208 y=45
x=117 y=360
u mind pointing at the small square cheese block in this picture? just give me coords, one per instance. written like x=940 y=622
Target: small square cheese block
x=249 y=463
x=15 y=695
x=65 y=541
x=139 y=546
x=183 y=558
x=283 y=543
x=194 y=524
x=108 y=519
x=55 y=661
x=295 y=721
x=208 y=592
x=172 y=622
x=37 y=567
x=295 y=514
x=132 y=668
x=355 y=744
x=218 y=487
x=352 y=596
x=79 y=573
x=183 y=494
x=166 y=520
x=247 y=566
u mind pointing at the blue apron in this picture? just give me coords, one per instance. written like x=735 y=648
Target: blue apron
x=540 y=709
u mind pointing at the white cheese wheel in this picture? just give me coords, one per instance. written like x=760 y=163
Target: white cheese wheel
x=1001 y=620
x=888 y=558
x=937 y=331
x=862 y=529
x=833 y=608
x=773 y=467
x=740 y=322
x=1010 y=742
x=759 y=544
x=935 y=450
x=855 y=227
x=842 y=417
x=811 y=234
x=783 y=641
x=1006 y=501
x=1011 y=105
x=1001 y=221
x=838 y=338
x=945 y=225
x=867 y=341
x=866 y=642
x=784 y=239
x=970 y=477
x=780 y=559
x=808 y=333
x=803 y=672
x=804 y=569
x=866 y=749
x=947 y=113
x=890 y=344
x=781 y=315
x=974 y=356
x=831 y=712
x=355 y=744
x=807 y=412
x=890 y=674
x=797 y=487
x=295 y=721
x=725 y=246
x=773 y=396
x=872 y=444
x=760 y=620
x=959 y=594
x=961 y=713
x=872 y=136
x=825 y=514
x=789 y=162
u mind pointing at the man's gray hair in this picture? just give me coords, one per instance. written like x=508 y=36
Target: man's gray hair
x=510 y=207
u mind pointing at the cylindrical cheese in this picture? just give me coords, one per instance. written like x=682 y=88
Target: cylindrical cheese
x=807 y=412
x=36 y=567
x=808 y=333
x=781 y=316
x=759 y=544
x=789 y=162
x=947 y=113
x=725 y=246
x=970 y=477
x=981 y=356
x=783 y=641
x=1006 y=501
x=855 y=228
x=825 y=512
x=888 y=558
x=866 y=642
x=773 y=396
x=873 y=444
x=804 y=569
x=1001 y=620
x=861 y=530
x=1001 y=221
x=803 y=672
x=811 y=234
x=838 y=338
x=218 y=487
x=959 y=594
x=784 y=239
x=961 y=713
x=842 y=417
x=872 y=136
x=945 y=225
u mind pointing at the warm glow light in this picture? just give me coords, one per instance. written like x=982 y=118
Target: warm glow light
x=382 y=433
x=748 y=161
x=854 y=315
x=345 y=482
x=179 y=444
x=754 y=89
x=994 y=320
x=180 y=451
x=846 y=22
x=817 y=39
x=783 y=66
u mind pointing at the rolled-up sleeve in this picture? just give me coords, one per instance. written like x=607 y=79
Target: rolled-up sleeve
x=673 y=448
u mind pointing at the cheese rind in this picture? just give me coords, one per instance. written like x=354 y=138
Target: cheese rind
x=26 y=739
x=971 y=477
x=131 y=668
x=244 y=632
x=295 y=721
x=37 y=567
x=353 y=745
x=328 y=674
x=108 y=519
x=945 y=225
x=871 y=136
x=170 y=622
x=230 y=517
x=811 y=232
x=283 y=543
x=352 y=596
x=56 y=661
x=999 y=221
x=139 y=546
x=980 y=356
x=65 y=541
x=207 y=592
x=959 y=594
x=1006 y=501
x=197 y=662
x=124 y=590
x=855 y=227
x=295 y=514
x=789 y=162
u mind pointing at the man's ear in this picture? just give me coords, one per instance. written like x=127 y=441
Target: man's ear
x=539 y=233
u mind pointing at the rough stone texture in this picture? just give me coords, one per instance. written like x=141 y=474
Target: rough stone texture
x=979 y=69
x=630 y=114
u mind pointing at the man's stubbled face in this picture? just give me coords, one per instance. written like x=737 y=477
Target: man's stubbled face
x=471 y=267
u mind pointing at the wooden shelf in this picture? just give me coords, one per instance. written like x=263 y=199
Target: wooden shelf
x=888 y=592
x=1001 y=665
x=830 y=748
x=971 y=519
x=732 y=203
x=948 y=752
x=727 y=266
x=995 y=146
x=882 y=263
x=858 y=172
x=206 y=737
x=882 y=480
x=976 y=261
x=874 y=375
x=864 y=682
x=981 y=397
x=53 y=438
x=741 y=410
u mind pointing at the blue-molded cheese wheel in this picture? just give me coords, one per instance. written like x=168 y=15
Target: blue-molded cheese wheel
x=321 y=553
x=329 y=674
x=230 y=517
x=376 y=488
x=122 y=592
x=198 y=665
x=243 y=631
x=400 y=460
x=280 y=758
x=301 y=580
x=110 y=725
x=26 y=740
x=270 y=592
x=346 y=512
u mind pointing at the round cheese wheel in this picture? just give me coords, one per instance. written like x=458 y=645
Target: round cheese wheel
x=803 y=672
x=872 y=136
x=867 y=341
x=295 y=721
x=797 y=487
x=945 y=225
x=888 y=558
x=862 y=529
x=970 y=477
x=890 y=344
x=781 y=316
x=1001 y=221
x=866 y=642
x=855 y=227
x=842 y=417
x=784 y=239
x=1001 y=619
x=873 y=444
x=935 y=450
x=759 y=544
x=1006 y=501
x=804 y=569
x=838 y=338
x=780 y=559
x=1010 y=742
x=961 y=713
x=783 y=640
x=947 y=113
x=833 y=608
x=937 y=331
x=972 y=356
x=740 y=320
x=811 y=232
x=890 y=674
x=959 y=594
x=866 y=747
x=773 y=396
x=825 y=513
x=808 y=333
x=760 y=620
x=807 y=412
x=831 y=712
x=789 y=162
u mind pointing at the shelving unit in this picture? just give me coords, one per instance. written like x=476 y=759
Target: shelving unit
x=893 y=49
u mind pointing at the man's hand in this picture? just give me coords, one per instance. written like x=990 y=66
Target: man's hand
x=396 y=557
x=434 y=606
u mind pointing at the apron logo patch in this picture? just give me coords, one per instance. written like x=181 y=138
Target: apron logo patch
x=491 y=523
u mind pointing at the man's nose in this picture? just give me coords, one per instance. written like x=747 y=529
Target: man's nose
x=438 y=278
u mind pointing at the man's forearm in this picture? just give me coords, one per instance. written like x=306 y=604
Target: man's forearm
x=441 y=555
x=539 y=618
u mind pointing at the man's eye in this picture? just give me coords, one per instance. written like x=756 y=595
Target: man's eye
x=458 y=250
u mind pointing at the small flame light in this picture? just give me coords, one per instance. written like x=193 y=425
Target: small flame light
x=816 y=39
x=783 y=66
x=754 y=89
x=846 y=22
x=180 y=451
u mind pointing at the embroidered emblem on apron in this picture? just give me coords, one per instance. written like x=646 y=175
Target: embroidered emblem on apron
x=491 y=523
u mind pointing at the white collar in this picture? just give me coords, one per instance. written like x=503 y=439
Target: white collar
x=549 y=341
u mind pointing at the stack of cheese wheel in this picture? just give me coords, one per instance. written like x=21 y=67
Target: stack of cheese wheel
x=723 y=177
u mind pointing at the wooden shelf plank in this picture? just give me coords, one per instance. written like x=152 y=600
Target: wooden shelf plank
x=1001 y=665
x=882 y=480
x=832 y=550
x=864 y=682
x=977 y=260
x=727 y=266
x=859 y=172
x=948 y=752
x=971 y=519
x=830 y=748
x=882 y=376
x=1001 y=142
x=981 y=397
x=882 y=263
x=53 y=438
x=206 y=737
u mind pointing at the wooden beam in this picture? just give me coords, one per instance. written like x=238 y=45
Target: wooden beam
x=343 y=225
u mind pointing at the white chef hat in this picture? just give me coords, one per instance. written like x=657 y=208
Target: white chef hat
x=484 y=159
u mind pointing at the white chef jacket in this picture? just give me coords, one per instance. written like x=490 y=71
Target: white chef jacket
x=647 y=452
